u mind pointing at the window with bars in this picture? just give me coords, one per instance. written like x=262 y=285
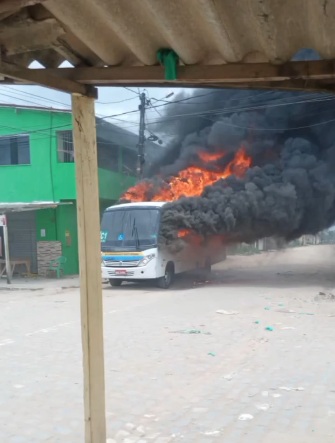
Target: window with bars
x=108 y=155
x=108 y=152
x=65 y=147
x=14 y=150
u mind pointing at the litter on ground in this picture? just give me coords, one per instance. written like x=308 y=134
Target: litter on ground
x=221 y=311
x=244 y=417
x=285 y=388
x=190 y=331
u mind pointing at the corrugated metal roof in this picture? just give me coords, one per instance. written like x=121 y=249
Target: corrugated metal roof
x=129 y=32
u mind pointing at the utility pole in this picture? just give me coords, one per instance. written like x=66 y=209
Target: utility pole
x=141 y=137
x=144 y=102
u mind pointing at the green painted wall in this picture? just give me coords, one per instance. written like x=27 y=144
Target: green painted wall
x=67 y=234
x=111 y=185
x=46 y=219
x=61 y=224
x=47 y=179
x=30 y=182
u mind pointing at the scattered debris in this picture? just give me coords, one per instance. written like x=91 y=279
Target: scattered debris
x=263 y=407
x=211 y=433
x=265 y=393
x=288 y=327
x=269 y=328
x=190 y=331
x=286 y=311
x=257 y=322
x=221 y=311
x=253 y=392
x=140 y=431
x=172 y=436
x=212 y=354
x=322 y=296
x=229 y=377
x=276 y=395
x=267 y=308
x=244 y=417
x=284 y=388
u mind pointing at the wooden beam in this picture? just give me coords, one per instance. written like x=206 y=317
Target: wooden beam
x=43 y=77
x=13 y=5
x=198 y=74
x=85 y=150
x=285 y=85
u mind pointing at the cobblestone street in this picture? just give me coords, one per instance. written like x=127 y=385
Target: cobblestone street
x=245 y=357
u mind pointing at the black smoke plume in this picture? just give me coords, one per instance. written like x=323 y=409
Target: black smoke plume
x=290 y=188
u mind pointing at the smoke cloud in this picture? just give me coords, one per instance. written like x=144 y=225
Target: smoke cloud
x=288 y=191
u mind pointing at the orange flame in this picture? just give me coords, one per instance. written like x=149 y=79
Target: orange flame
x=192 y=181
x=183 y=233
x=210 y=157
x=190 y=236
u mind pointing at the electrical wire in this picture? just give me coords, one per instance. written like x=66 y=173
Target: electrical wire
x=131 y=90
x=114 y=103
x=223 y=111
x=217 y=112
x=18 y=91
x=331 y=97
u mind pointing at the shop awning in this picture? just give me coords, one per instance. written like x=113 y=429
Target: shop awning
x=5 y=208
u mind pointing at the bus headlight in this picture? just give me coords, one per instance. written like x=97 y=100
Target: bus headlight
x=102 y=262
x=145 y=260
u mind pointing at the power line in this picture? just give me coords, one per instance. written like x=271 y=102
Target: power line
x=131 y=90
x=120 y=101
x=213 y=92
x=35 y=95
x=331 y=97
x=158 y=106
x=66 y=104
x=223 y=111
x=218 y=112
x=279 y=129
x=21 y=99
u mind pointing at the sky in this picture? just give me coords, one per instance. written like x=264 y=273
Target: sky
x=111 y=101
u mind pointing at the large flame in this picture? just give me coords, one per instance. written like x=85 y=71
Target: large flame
x=191 y=182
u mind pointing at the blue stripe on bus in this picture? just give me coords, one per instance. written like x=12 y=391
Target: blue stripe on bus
x=122 y=257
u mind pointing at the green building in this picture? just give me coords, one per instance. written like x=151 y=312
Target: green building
x=37 y=165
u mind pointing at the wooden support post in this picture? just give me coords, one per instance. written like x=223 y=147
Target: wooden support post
x=3 y=223
x=85 y=149
x=6 y=242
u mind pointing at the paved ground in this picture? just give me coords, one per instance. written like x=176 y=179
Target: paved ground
x=233 y=382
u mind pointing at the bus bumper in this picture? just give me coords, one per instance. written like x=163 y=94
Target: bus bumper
x=131 y=273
